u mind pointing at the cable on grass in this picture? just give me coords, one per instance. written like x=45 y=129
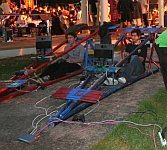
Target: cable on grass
x=150 y=112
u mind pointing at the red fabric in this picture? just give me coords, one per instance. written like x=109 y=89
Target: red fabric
x=91 y=97
x=113 y=10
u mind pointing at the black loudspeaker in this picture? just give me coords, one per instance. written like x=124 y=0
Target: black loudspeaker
x=43 y=45
x=103 y=51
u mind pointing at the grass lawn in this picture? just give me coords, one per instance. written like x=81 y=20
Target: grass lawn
x=9 y=66
x=128 y=137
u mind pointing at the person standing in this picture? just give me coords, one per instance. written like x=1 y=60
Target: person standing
x=93 y=10
x=62 y=20
x=161 y=49
x=125 y=9
x=72 y=16
x=1 y=13
x=113 y=11
x=144 y=7
x=79 y=15
x=56 y=28
x=137 y=13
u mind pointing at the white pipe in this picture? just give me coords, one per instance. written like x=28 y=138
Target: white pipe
x=104 y=10
x=84 y=9
x=161 y=13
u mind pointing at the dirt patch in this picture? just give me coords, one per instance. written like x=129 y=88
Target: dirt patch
x=16 y=117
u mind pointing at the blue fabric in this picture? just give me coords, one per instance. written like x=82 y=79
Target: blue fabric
x=77 y=94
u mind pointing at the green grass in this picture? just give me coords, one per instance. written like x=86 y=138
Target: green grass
x=124 y=137
x=9 y=66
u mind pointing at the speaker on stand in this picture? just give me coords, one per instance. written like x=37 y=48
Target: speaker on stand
x=43 y=45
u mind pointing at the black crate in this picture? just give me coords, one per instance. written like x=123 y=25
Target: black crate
x=103 y=51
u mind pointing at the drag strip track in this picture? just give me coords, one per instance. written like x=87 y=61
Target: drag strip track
x=16 y=116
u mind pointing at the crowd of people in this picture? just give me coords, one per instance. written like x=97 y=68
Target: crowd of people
x=133 y=12
x=56 y=19
x=126 y=12
x=69 y=15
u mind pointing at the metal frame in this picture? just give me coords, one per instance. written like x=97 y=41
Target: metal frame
x=7 y=93
x=73 y=107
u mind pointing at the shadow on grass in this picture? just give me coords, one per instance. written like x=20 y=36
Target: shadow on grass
x=131 y=137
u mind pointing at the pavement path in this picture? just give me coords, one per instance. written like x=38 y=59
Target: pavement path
x=27 y=42
x=24 y=46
